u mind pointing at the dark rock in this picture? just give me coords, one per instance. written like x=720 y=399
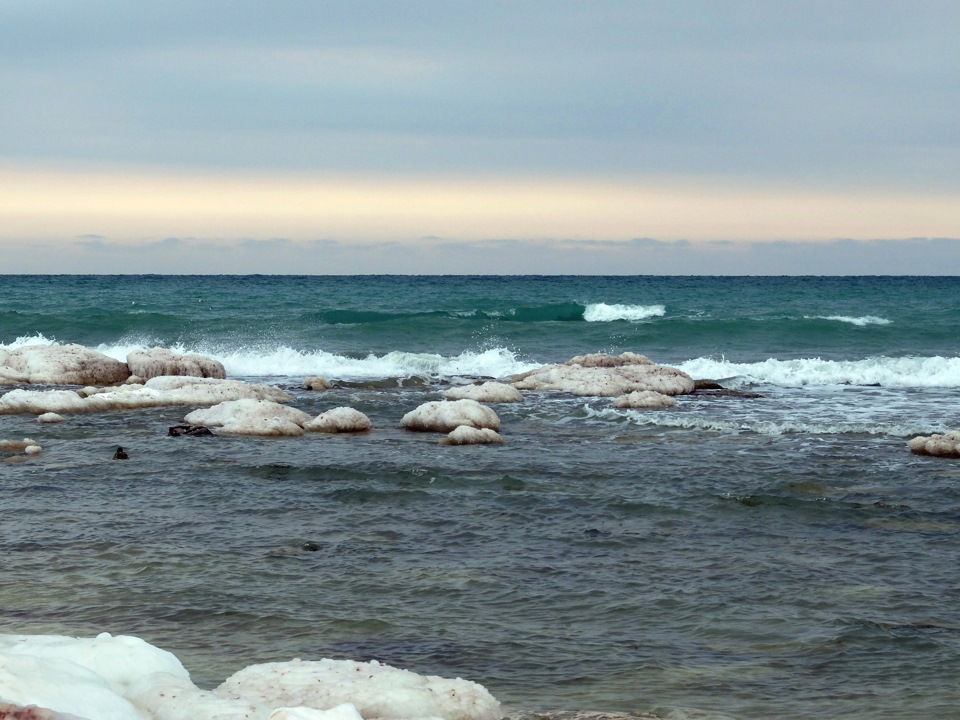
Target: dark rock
x=190 y=430
x=120 y=454
x=706 y=385
x=309 y=546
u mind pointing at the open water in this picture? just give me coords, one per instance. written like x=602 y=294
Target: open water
x=776 y=556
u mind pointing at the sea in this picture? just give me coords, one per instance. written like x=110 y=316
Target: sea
x=771 y=550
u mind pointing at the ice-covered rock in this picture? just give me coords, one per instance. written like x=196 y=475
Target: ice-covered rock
x=60 y=365
x=339 y=420
x=647 y=399
x=490 y=392
x=159 y=361
x=942 y=445
x=50 y=417
x=606 y=376
x=447 y=415
x=124 y=678
x=377 y=691
x=163 y=391
x=251 y=417
x=17 y=445
x=466 y=435
x=316 y=383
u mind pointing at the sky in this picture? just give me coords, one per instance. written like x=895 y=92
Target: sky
x=445 y=136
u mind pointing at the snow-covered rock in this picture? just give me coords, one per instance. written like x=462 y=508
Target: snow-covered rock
x=490 y=392
x=466 y=435
x=647 y=399
x=606 y=376
x=159 y=361
x=339 y=420
x=251 y=417
x=942 y=445
x=446 y=415
x=60 y=365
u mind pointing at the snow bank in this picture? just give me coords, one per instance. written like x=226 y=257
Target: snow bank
x=377 y=691
x=942 y=445
x=338 y=420
x=124 y=678
x=466 y=435
x=647 y=399
x=607 y=376
x=60 y=365
x=165 y=391
x=160 y=361
x=447 y=415
x=491 y=392
x=251 y=417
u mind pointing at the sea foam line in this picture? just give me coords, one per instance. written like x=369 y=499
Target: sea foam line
x=601 y=312
x=858 y=321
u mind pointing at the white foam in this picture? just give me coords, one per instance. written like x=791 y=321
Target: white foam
x=602 y=312
x=898 y=372
x=858 y=321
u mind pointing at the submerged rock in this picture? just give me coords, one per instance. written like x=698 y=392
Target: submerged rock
x=447 y=415
x=189 y=431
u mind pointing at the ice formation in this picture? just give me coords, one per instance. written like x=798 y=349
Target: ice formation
x=251 y=417
x=46 y=677
x=649 y=399
x=943 y=445
x=50 y=417
x=446 y=415
x=164 y=391
x=60 y=365
x=604 y=375
x=159 y=361
x=339 y=420
x=466 y=435
x=491 y=392
x=316 y=383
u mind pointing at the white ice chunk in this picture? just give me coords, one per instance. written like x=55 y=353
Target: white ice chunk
x=491 y=392
x=338 y=420
x=447 y=415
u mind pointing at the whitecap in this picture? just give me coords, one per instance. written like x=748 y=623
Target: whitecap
x=601 y=312
x=858 y=321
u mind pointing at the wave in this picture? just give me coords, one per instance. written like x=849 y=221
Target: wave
x=898 y=372
x=858 y=321
x=601 y=312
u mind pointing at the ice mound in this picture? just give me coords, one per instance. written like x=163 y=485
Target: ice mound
x=164 y=391
x=60 y=365
x=17 y=445
x=50 y=417
x=377 y=691
x=251 y=417
x=338 y=420
x=316 y=383
x=447 y=415
x=491 y=392
x=466 y=435
x=942 y=445
x=604 y=375
x=648 y=399
x=124 y=678
x=159 y=361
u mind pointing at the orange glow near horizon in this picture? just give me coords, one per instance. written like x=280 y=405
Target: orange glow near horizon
x=130 y=207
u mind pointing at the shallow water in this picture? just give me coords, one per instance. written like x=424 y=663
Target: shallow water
x=779 y=556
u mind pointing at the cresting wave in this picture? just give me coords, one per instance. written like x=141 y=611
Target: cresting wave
x=601 y=312
x=858 y=321
x=897 y=372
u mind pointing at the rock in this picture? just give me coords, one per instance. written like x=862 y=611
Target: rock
x=466 y=435
x=189 y=431
x=160 y=361
x=50 y=417
x=17 y=445
x=120 y=454
x=447 y=415
x=316 y=383
x=491 y=392
x=163 y=391
x=606 y=376
x=339 y=420
x=251 y=417
x=645 y=399
x=61 y=365
x=940 y=445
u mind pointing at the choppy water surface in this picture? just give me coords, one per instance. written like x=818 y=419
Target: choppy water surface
x=776 y=556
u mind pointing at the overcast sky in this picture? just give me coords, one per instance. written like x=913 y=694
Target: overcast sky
x=446 y=136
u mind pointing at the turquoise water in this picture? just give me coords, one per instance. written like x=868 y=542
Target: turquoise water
x=776 y=556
